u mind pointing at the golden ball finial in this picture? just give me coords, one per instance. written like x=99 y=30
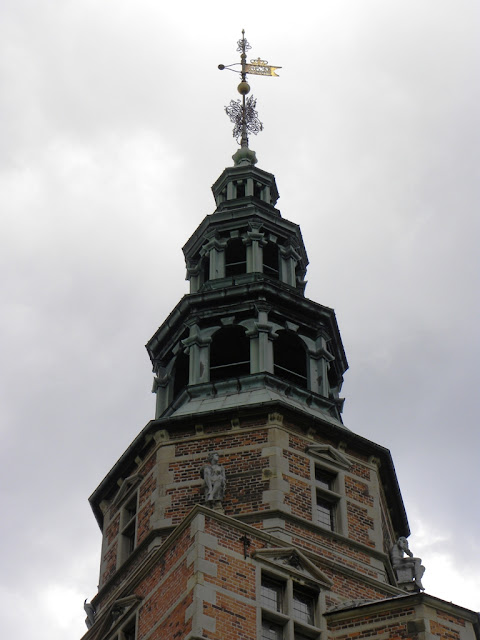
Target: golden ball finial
x=243 y=88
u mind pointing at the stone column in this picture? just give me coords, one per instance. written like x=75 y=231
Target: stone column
x=198 y=349
x=265 y=194
x=318 y=362
x=194 y=275
x=254 y=241
x=231 y=190
x=161 y=387
x=288 y=262
x=261 y=345
x=216 y=248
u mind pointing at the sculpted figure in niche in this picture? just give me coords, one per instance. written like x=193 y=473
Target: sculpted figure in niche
x=407 y=569
x=214 y=476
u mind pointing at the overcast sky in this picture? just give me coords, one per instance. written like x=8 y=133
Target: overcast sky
x=113 y=129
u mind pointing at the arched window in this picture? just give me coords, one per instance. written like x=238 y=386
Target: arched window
x=181 y=373
x=229 y=354
x=270 y=260
x=290 y=358
x=235 y=258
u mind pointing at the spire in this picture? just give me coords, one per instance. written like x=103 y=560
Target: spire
x=243 y=112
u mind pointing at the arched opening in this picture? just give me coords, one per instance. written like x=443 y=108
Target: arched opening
x=290 y=358
x=241 y=188
x=235 y=258
x=206 y=268
x=333 y=381
x=181 y=373
x=270 y=260
x=229 y=354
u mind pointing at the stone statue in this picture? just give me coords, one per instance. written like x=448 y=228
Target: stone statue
x=214 y=476
x=409 y=570
x=90 y=611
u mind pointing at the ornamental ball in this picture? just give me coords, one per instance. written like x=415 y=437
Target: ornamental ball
x=243 y=88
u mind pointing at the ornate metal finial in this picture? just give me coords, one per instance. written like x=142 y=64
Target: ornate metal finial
x=243 y=112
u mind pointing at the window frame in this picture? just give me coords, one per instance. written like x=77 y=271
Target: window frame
x=132 y=623
x=285 y=618
x=127 y=539
x=331 y=497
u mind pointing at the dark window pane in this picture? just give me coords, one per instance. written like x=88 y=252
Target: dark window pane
x=271 y=631
x=229 y=354
x=240 y=189
x=272 y=593
x=129 y=631
x=181 y=373
x=235 y=258
x=290 y=358
x=300 y=636
x=303 y=607
x=270 y=259
x=323 y=478
x=325 y=513
x=131 y=509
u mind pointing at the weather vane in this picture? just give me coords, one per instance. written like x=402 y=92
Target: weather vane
x=243 y=113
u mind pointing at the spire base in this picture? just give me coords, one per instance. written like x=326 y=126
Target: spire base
x=244 y=156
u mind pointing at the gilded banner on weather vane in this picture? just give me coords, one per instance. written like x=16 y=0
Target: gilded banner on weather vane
x=242 y=112
x=261 y=67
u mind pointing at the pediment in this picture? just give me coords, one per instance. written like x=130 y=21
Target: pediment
x=127 y=485
x=292 y=561
x=116 y=614
x=327 y=453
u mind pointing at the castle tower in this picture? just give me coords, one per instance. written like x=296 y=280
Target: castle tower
x=246 y=509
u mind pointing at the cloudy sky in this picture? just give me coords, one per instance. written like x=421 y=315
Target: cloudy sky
x=113 y=130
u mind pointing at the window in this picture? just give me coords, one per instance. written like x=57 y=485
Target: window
x=271 y=631
x=303 y=606
x=324 y=479
x=325 y=513
x=272 y=593
x=289 y=611
x=326 y=498
x=128 y=631
x=128 y=526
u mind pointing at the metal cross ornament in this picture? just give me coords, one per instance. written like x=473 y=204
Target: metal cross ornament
x=243 y=112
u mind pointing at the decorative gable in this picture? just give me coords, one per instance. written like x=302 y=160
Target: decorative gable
x=114 y=617
x=294 y=563
x=128 y=484
x=327 y=453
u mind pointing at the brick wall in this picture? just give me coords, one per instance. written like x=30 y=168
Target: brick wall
x=268 y=468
